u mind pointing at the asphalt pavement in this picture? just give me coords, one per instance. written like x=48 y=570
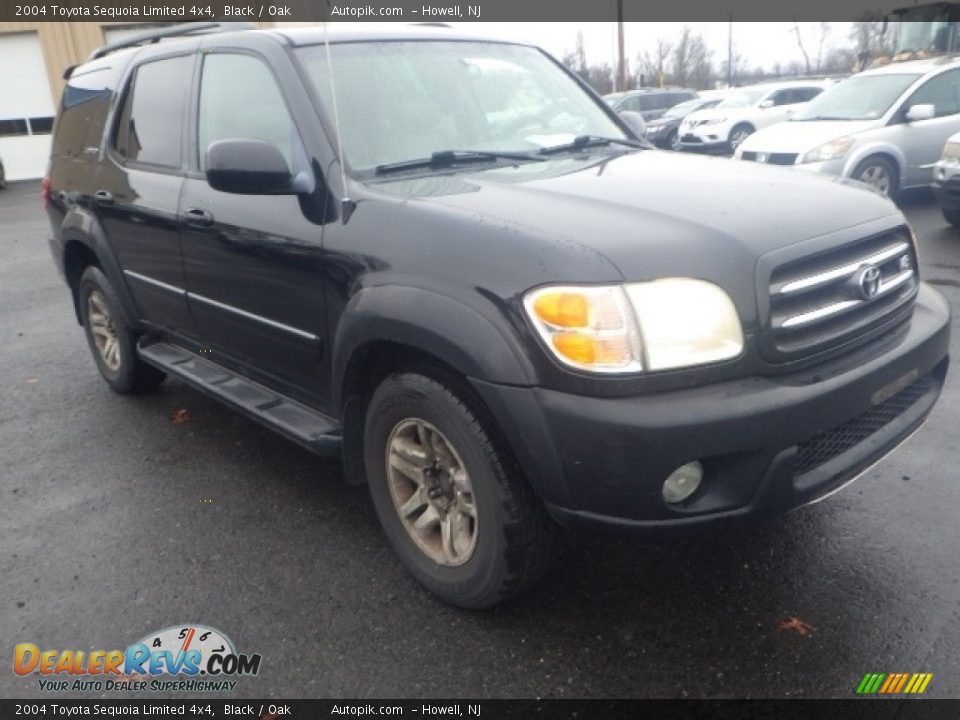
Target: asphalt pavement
x=116 y=521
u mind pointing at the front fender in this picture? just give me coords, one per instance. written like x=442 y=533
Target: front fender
x=874 y=148
x=464 y=338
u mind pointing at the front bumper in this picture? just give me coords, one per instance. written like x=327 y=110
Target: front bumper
x=705 y=138
x=946 y=186
x=768 y=444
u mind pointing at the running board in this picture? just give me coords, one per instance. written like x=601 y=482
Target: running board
x=315 y=431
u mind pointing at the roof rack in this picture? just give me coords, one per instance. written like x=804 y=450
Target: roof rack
x=153 y=36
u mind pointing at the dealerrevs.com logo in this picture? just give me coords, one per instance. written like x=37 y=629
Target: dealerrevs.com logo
x=188 y=658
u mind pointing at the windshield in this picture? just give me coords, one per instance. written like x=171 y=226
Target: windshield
x=742 y=98
x=924 y=29
x=400 y=101
x=863 y=97
x=685 y=108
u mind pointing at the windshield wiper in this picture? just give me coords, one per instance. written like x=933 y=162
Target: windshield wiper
x=584 y=141
x=449 y=158
x=821 y=117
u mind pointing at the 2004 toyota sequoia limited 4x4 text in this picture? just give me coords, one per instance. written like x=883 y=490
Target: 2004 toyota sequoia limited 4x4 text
x=447 y=260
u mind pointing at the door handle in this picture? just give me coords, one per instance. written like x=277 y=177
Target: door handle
x=198 y=217
x=103 y=197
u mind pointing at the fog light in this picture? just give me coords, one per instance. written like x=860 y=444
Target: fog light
x=683 y=482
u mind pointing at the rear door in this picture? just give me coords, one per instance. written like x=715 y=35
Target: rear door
x=138 y=190
x=254 y=263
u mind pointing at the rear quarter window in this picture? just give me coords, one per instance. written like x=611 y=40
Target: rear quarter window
x=84 y=107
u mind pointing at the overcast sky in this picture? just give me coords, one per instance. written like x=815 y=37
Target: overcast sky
x=760 y=43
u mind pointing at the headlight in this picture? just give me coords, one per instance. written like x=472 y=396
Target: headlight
x=659 y=325
x=713 y=121
x=951 y=152
x=833 y=150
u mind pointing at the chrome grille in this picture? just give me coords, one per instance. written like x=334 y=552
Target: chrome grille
x=826 y=299
x=770 y=158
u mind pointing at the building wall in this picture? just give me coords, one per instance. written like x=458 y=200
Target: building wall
x=63 y=44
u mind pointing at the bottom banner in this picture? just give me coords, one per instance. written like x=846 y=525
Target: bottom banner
x=488 y=709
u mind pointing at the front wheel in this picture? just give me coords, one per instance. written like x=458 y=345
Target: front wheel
x=951 y=215
x=673 y=141
x=879 y=173
x=738 y=135
x=451 y=500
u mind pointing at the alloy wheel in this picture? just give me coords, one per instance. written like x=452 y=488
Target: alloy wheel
x=431 y=492
x=877 y=177
x=103 y=330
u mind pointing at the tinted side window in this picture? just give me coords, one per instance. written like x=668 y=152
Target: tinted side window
x=239 y=98
x=943 y=92
x=781 y=97
x=151 y=121
x=83 y=112
x=805 y=94
x=649 y=102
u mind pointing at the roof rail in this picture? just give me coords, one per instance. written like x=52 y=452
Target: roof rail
x=153 y=36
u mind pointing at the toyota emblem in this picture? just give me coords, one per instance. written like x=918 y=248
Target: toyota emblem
x=867 y=281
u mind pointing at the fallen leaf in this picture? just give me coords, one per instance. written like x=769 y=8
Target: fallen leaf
x=179 y=417
x=797 y=625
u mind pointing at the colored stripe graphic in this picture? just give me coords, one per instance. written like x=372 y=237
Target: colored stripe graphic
x=894 y=683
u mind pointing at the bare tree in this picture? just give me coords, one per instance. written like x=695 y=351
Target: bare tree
x=823 y=35
x=681 y=57
x=803 y=50
x=871 y=37
x=701 y=63
x=653 y=64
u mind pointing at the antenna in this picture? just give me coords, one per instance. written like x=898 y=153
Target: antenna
x=347 y=204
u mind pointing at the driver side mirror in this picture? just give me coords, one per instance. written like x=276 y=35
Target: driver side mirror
x=635 y=122
x=253 y=167
x=766 y=104
x=921 y=112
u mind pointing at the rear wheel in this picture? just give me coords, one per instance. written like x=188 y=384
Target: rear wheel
x=112 y=341
x=951 y=215
x=880 y=174
x=451 y=501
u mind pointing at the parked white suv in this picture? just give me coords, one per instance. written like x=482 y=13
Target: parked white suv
x=885 y=127
x=744 y=111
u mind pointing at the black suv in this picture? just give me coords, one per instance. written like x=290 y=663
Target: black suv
x=503 y=311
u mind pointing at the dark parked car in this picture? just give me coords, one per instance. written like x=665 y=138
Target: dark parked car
x=649 y=102
x=664 y=131
x=500 y=309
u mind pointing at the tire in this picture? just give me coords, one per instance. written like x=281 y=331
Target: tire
x=880 y=174
x=738 y=134
x=3 y=177
x=951 y=215
x=508 y=541
x=112 y=341
x=673 y=141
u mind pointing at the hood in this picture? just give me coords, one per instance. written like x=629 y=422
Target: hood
x=799 y=136
x=651 y=213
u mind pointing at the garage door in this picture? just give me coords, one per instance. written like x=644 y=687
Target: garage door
x=26 y=107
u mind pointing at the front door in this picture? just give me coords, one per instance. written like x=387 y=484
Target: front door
x=254 y=263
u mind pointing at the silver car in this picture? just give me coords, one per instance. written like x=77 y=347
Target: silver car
x=946 y=180
x=885 y=127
